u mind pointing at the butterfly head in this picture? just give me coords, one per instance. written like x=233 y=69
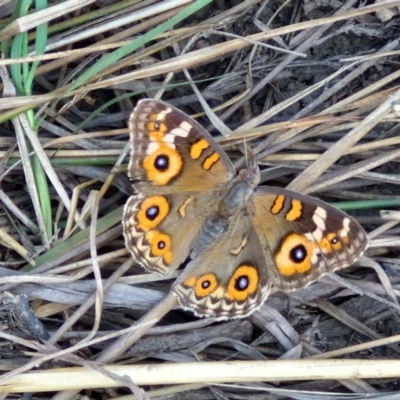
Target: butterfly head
x=239 y=191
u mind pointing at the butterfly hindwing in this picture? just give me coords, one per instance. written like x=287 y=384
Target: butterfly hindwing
x=160 y=229
x=230 y=279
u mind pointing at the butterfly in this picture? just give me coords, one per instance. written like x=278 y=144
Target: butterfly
x=241 y=238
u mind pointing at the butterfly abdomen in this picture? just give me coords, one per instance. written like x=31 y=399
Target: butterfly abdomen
x=212 y=229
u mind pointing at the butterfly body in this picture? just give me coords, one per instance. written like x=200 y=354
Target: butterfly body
x=241 y=238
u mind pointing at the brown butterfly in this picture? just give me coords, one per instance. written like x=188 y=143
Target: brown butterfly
x=241 y=238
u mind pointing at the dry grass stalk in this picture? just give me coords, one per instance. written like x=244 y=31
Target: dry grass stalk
x=316 y=124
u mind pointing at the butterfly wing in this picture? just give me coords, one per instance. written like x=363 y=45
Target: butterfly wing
x=303 y=238
x=282 y=239
x=173 y=152
x=230 y=279
x=179 y=170
x=160 y=229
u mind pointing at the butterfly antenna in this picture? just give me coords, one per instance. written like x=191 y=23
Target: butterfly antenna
x=251 y=161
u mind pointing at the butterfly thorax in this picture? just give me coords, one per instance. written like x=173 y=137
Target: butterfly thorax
x=238 y=193
x=232 y=203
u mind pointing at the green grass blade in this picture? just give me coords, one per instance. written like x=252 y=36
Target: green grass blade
x=139 y=42
x=40 y=44
x=366 y=204
x=103 y=224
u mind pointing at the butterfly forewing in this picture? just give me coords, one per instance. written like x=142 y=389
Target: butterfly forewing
x=173 y=152
x=172 y=159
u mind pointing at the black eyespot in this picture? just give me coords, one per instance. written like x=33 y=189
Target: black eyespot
x=157 y=125
x=152 y=212
x=298 y=254
x=161 y=162
x=334 y=240
x=161 y=244
x=205 y=284
x=242 y=283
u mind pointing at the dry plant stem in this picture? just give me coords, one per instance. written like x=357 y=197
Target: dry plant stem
x=282 y=140
x=294 y=135
x=349 y=102
x=302 y=182
x=216 y=51
x=361 y=99
x=99 y=296
x=61 y=354
x=360 y=289
x=87 y=262
x=30 y=180
x=7 y=202
x=356 y=348
x=372 y=287
x=90 y=301
x=52 y=176
x=117 y=23
x=174 y=38
x=111 y=234
x=120 y=346
x=273 y=322
x=76 y=53
x=124 y=342
x=261 y=44
x=167 y=392
x=369 y=262
x=217 y=123
x=300 y=49
x=346 y=319
x=144 y=26
x=23 y=24
x=354 y=170
x=39 y=279
x=281 y=106
x=10 y=242
x=375 y=145
x=381 y=229
x=191 y=59
x=233 y=371
x=326 y=94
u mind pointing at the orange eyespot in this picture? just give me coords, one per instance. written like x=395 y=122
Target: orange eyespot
x=160 y=244
x=331 y=242
x=243 y=283
x=203 y=285
x=334 y=241
x=152 y=212
x=294 y=255
x=163 y=164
